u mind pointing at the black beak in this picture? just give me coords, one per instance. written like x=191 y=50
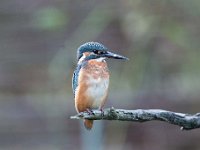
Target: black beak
x=115 y=56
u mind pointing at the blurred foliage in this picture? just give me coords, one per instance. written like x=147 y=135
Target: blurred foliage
x=38 y=55
x=50 y=19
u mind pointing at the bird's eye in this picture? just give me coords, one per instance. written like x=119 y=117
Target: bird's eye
x=99 y=52
x=96 y=51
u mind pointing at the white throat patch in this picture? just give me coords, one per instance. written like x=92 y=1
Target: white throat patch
x=101 y=59
x=81 y=59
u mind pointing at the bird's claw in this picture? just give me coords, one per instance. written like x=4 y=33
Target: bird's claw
x=102 y=112
x=90 y=112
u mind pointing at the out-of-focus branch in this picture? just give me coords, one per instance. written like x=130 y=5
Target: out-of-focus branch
x=185 y=121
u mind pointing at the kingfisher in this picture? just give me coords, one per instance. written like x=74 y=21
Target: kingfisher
x=90 y=80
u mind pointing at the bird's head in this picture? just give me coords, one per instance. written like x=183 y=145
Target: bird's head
x=95 y=50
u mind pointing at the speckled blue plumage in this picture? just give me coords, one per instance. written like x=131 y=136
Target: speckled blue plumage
x=76 y=75
x=75 y=78
x=89 y=47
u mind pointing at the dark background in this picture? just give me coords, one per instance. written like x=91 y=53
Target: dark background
x=38 y=42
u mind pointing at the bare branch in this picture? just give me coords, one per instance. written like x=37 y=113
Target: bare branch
x=185 y=121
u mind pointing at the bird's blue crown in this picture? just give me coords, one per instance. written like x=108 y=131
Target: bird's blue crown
x=89 y=47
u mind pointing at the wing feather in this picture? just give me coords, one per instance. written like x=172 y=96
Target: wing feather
x=75 y=78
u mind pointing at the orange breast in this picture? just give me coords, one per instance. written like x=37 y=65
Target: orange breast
x=93 y=85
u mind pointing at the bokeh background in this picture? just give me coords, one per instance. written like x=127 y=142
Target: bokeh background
x=38 y=42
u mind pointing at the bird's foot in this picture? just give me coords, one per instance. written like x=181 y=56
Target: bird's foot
x=102 y=112
x=89 y=111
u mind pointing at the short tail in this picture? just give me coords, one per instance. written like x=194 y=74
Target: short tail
x=88 y=124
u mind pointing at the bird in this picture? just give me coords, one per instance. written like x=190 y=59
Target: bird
x=90 y=81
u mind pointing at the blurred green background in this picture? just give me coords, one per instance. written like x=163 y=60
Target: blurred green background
x=38 y=42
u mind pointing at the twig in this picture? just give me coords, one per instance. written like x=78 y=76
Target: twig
x=185 y=121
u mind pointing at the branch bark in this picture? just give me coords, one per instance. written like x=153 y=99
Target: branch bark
x=185 y=121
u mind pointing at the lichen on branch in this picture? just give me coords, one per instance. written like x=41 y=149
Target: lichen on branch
x=185 y=121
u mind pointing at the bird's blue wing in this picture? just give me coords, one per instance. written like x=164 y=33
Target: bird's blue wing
x=75 y=78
